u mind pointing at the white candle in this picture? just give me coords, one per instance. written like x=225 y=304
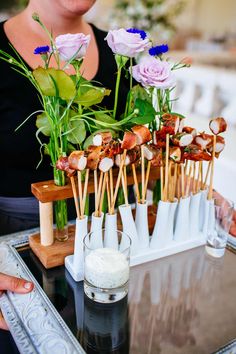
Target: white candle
x=106 y=268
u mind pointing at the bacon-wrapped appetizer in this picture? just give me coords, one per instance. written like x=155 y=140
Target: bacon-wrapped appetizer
x=105 y=164
x=159 y=136
x=190 y=130
x=77 y=160
x=150 y=151
x=220 y=145
x=142 y=133
x=93 y=158
x=181 y=125
x=182 y=139
x=194 y=153
x=102 y=138
x=172 y=121
x=129 y=141
x=175 y=154
x=203 y=140
x=157 y=159
x=218 y=125
x=131 y=157
x=112 y=149
x=63 y=165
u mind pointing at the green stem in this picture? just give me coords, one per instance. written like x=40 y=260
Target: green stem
x=117 y=91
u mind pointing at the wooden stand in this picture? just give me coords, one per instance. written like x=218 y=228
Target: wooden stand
x=51 y=252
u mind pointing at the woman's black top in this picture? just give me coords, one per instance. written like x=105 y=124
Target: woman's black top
x=19 y=150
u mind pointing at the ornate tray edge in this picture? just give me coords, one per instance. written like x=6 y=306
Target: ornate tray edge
x=33 y=321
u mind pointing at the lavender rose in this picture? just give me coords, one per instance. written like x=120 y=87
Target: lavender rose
x=68 y=44
x=153 y=72
x=127 y=43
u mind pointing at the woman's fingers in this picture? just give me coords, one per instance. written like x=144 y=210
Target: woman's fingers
x=17 y=285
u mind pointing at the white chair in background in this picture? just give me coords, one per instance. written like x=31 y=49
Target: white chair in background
x=205 y=92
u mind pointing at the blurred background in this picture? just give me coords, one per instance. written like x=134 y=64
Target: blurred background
x=203 y=30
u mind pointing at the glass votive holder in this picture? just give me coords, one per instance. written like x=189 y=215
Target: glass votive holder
x=218 y=234
x=106 y=269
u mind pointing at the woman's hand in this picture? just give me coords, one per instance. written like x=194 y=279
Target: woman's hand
x=17 y=285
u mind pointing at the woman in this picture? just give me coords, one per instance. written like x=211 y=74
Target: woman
x=18 y=99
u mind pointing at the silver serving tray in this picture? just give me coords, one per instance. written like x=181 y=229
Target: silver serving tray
x=33 y=321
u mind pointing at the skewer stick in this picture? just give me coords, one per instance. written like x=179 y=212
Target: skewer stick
x=207 y=174
x=108 y=195
x=174 y=181
x=166 y=166
x=169 y=186
x=102 y=192
x=111 y=183
x=72 y=180
x=96 y=187
x=182 y=179
x=147 y=178
x=178 y=182
x=162 y=176
x=124 y=186
x=80 y=190
x=189 y=179
x=118 y=180
x=99 y=193
x=125 y=179
x=198 y=177
x=201 y=173
x=142 y=172
x=210 y=193
x=194 y=181
x=186 y=167
x=136 y=182
x=85 y=191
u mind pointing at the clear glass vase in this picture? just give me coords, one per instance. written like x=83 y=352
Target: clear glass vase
x=60 y=210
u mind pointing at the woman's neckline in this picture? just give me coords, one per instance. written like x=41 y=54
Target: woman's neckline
x=94 y=29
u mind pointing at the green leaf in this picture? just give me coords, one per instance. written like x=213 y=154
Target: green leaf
x=104 y=118
x=146 y=112
x=43 y=124
x=52 y=81
x=77 y=130
x=92 y=97
x=140 y=92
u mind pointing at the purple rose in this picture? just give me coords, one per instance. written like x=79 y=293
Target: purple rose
x=125 y=43
x=70 y=44
x=153 y=72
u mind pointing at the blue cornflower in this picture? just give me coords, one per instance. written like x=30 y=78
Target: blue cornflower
x=42 y=50
x=142 y=33
x=158 y=50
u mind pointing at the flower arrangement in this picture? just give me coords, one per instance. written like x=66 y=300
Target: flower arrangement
x=71 y=114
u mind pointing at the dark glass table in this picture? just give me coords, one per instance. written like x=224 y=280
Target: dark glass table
x=179 y=304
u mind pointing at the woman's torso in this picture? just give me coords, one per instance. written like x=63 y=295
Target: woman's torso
x=20 y=151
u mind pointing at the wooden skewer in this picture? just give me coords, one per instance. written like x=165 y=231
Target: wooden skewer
x=198 y=177
x=174 y=181
x=108 y=195
x=102 y=193
x=182 y=180
x=194 y=181
x=125 y=179
x=80 y=190
x=142 y=172
x=85 y=191
x=100 y=184
x=162 y=177
x=111 y=183
x=186 y=167
x=96 y=188
x=166 y=166
x=72 y=180
x=207 y=174
x=210 y=193
x=178 y=182
x=147 y=178
x=169 y=186
x=118 y=180
x=201 y=173
x=135 y=182
x=124 y=189
x=189 y=179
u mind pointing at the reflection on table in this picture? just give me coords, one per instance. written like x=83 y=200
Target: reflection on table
x=178 y=304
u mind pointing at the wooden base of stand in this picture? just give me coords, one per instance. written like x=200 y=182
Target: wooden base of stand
x=54 y=255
